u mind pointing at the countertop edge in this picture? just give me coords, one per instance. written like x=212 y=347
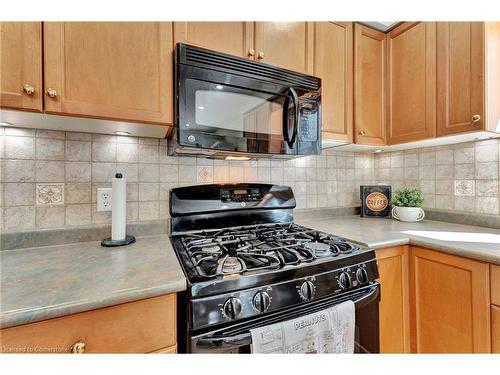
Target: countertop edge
x=18 y=318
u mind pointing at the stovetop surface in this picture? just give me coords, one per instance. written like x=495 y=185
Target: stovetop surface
x=227 y=253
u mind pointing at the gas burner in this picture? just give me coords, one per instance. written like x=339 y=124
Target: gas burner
x=257 y=248
x=231 y=265
x=320 y=249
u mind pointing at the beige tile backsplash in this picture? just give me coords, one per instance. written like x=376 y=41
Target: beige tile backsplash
x=461 y=177
x=47 y=162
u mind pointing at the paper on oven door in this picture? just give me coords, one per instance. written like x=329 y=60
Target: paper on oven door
x=326 y=331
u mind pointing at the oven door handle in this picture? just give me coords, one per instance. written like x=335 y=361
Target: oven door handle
x=291 y=140
x=245 y=338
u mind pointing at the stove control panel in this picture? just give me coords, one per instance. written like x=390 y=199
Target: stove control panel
x=252 y=302
x=240 y=195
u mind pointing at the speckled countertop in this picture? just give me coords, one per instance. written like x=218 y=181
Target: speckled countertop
x=48 y=282
x=463 y=240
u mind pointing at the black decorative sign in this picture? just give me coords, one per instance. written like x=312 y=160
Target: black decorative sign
x=375 y=200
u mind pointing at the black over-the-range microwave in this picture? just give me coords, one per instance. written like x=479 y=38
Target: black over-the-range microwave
x=227 y=106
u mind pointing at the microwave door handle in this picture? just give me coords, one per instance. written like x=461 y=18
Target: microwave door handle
x=245 y=338
x=286 y=110
x=295 y=98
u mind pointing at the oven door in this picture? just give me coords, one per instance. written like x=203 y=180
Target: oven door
x=230 y=113
x=237 y=338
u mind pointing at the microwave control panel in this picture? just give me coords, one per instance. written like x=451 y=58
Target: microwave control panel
x=309 y=121
x=240 y=195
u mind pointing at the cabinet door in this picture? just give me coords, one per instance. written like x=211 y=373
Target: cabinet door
x=495 y=329
x=450 y=306
x=21 y=65
x=369 y=85
x=460 y=77
x=116 y=70
x=333 y=64
x=394 y=303
x=235 y=38
x=285 y=44
x=411 y=112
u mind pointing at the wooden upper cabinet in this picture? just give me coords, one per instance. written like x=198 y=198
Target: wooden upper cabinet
x=114 y=70
x=285 y=44
x=394 y=301
x=21 y=65
x=460 y=77
x=235 y=38
x=369 y=85
x=333 y=64
x=411 y=77
x=450 y=306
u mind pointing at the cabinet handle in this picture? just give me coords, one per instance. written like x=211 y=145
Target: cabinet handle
x=251 y=52
x=28 y=89
x=261 y=55
x=51 y=93
x=78 y=347
x=361 y=132
x=476 y=118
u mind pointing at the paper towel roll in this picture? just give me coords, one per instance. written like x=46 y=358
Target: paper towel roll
x=119 y=208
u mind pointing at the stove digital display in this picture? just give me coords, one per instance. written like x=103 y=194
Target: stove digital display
x=240 y=195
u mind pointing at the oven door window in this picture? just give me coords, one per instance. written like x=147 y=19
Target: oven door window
x=229 y=118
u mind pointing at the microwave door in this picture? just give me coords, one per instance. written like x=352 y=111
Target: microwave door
x=291 y=117
x=221 y=117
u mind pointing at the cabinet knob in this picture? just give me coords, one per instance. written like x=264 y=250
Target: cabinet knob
x=361 y=132
x=261 y=55
x=476 y=118
x=251 y=52
x=28 y=89
x=51 y=93
x=78 y=347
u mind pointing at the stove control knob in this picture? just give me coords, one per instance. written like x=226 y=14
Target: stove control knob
x=307 y=290
x=361 y=275
x=345 y=280
x=232 y=308
x=261 y=301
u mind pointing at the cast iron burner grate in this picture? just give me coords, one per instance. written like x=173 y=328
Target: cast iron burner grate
x=239 y=250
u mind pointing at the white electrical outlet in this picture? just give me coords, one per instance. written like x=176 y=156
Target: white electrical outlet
x=104 y=196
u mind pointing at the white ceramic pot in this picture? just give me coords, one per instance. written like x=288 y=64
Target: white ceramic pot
x=408 y=214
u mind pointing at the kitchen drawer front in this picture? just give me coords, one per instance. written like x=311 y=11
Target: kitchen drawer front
x=495 y=284
x=136 y=327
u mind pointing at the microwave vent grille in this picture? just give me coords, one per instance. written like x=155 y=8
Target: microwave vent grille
x=215 y=60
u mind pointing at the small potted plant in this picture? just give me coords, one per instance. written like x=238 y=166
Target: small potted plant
x=407 y=205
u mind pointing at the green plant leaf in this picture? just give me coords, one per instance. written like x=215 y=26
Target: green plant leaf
x=405 y=197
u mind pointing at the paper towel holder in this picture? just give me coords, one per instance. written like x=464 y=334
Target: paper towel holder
x=109 y=242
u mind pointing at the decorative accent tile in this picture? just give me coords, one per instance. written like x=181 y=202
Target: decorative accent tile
x=49 y=194
x=205 y=174
x=464 y=187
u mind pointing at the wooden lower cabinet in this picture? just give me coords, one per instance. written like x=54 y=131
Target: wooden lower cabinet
x=495 y=329
x=495 y=284
x=170 y=350
x=394 y=306
x=450 y=303
x=143 y=326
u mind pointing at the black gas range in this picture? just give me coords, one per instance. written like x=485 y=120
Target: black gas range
x=249 y=265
